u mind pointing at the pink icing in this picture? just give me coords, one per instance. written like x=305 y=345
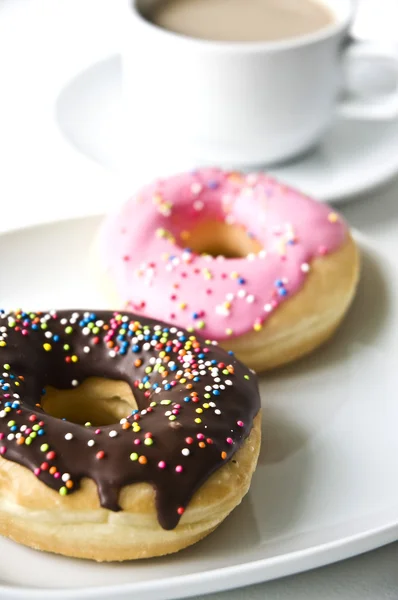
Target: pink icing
x=143 y=251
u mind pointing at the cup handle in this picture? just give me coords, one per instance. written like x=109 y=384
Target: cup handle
x=387 y=106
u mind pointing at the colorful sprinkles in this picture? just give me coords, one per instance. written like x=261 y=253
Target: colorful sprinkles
x=281 y=232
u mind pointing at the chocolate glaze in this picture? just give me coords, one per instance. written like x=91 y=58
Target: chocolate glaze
x=34 y=358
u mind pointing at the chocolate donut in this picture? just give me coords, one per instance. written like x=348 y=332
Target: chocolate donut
x=196 y=405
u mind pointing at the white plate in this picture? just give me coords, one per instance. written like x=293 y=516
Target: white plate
x=354 y=156
x=326 y=485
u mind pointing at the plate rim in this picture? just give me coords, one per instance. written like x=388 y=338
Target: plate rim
x=222 y=579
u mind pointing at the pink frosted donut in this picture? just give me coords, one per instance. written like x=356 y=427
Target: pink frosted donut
x=241 y=259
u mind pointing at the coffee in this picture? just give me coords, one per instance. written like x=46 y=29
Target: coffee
x=241 y=20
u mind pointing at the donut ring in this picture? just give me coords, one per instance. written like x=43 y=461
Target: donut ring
x=241 y=259
x=163 y=471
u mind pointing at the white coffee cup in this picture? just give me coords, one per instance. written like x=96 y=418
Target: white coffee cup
x=242 y=103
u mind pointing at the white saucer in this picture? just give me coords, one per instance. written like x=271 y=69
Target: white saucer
x=354 y=157
x=325 y=487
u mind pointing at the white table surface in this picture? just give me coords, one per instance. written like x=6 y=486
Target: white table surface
x=42 y=44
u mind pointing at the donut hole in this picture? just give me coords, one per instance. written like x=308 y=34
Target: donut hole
x=97 y=401
x=217 y=238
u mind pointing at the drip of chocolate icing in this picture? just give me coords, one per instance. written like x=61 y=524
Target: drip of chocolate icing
x=195 y=402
